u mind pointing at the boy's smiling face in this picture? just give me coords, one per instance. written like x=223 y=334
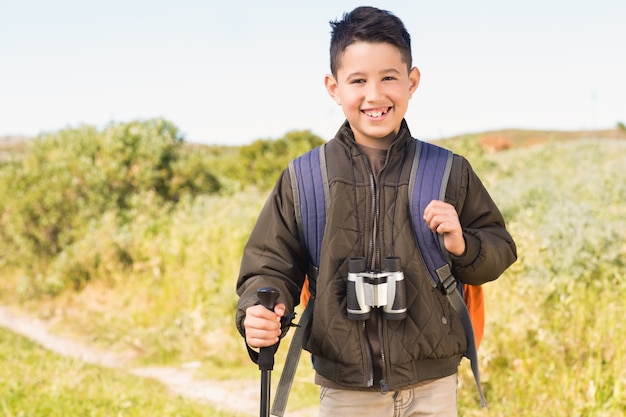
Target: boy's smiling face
x=373 y=87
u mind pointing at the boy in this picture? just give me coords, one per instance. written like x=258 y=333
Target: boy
x=413 y=362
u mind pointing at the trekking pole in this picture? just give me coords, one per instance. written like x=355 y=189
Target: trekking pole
x=268 y=297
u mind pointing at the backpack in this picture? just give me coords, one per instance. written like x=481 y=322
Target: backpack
x=430 y=171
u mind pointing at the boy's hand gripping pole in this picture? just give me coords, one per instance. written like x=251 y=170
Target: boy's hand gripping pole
x=267 y=297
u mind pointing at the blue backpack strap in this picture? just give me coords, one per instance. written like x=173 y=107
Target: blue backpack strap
x=429 y=179
x=430 y=173
x=309 y=184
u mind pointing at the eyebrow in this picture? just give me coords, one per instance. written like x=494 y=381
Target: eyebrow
x=360 y=73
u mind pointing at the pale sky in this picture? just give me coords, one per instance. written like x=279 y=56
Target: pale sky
x=231 y=72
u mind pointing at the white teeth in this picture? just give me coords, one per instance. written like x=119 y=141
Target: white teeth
x=375 y=114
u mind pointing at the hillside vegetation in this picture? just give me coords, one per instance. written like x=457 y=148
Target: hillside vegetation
x=130 y=238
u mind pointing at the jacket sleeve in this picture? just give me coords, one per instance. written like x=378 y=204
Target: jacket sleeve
x=273 y=256
x=490 y=248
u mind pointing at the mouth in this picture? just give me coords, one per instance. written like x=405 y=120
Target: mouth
x=376 y=113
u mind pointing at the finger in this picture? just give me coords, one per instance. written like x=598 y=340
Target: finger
x=435 y=221
x=435 y=204
x=262 y=341
x=261 y=323
x=280 y=310
x=443 y=228
x=261 y=338
x=434 y=208
x=262 y=312
x=261 y=333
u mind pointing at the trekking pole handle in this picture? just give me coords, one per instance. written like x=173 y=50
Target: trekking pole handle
x=268 y=297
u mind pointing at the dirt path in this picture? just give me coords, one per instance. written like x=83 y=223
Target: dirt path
x=240 y=398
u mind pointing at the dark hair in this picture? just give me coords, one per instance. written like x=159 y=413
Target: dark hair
x=368 y=24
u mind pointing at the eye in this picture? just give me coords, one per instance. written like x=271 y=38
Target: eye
x=357 y=81
x=389 y=78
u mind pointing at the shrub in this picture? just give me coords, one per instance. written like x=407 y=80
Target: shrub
x=261 y=162
x=67 y=180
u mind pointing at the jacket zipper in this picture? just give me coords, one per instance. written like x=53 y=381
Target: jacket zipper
x=374 y=249
x=375 y=189
x=368 y=357
x=384 y=386
x=368 y=351
x=376 y=260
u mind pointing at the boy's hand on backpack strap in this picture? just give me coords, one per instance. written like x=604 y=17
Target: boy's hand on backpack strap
x=262 y=326
x=443 y=219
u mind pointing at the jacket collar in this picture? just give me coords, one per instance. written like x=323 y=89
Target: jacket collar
x=346 y=137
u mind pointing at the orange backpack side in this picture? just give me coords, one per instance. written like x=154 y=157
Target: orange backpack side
x=475 y=301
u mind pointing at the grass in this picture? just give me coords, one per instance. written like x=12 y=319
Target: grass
x=555 y=342
x=35 y=382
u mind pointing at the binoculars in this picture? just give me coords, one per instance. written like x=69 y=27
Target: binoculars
x=367 y=290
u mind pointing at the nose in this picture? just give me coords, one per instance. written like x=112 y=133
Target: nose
x=374 y=91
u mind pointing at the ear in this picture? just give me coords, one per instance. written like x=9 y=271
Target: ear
x=414 y=80
x=331 y=86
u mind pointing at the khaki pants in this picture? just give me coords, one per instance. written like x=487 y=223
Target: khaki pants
x=436 y=398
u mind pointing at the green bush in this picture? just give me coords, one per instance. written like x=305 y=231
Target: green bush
x=66 y=181
x=51 y=194
x=261 y=162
